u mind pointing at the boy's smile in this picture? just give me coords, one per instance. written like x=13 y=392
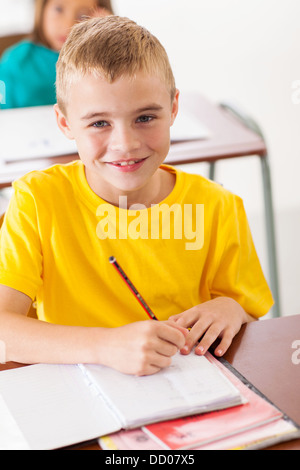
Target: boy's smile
x=122 y=131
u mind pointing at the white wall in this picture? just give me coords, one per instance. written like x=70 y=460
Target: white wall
x=16 y=16
x=246 y=51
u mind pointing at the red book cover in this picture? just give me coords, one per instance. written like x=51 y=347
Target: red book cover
x=192 y=431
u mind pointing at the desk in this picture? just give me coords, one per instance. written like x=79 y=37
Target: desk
x=262 y=352
x=228 y=138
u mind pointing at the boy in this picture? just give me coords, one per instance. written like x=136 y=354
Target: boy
x=117 y=98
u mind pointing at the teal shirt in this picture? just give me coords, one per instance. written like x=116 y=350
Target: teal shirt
x=27 y=76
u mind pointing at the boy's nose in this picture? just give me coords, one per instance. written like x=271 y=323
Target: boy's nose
x=124 y=141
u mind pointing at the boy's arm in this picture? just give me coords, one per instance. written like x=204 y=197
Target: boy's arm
x=31 y=341
x=140 y=348
x=220 y=318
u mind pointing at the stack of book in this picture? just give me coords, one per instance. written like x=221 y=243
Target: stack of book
x=254 y=424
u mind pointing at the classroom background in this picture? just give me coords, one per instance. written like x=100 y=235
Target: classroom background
x=246 y=52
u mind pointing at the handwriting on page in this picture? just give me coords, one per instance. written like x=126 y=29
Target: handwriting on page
x=191 y=381
x=200 y=380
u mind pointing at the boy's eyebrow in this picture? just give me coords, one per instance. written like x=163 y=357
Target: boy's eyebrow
x=151 y=107
x=93 y=115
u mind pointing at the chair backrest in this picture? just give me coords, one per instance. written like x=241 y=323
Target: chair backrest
x=7 y=41
x=32 y=310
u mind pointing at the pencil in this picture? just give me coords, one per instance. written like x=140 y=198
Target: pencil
x=135 y=292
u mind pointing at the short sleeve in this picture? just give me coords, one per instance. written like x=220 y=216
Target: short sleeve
x=6 y=85
x=8 y=80
x=238 y=273
x=20 y=248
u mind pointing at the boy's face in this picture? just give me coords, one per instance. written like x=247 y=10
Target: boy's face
x=122 y=131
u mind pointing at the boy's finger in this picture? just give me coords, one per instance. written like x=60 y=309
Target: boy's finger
x=196 y=332
x=165 y=348
x=188 y=318
x=174 y=334
x=224 y=345
x=183 y=330
x=208 y=339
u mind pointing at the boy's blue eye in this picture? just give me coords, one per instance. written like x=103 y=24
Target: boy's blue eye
x=145 y=118
x=100 y=124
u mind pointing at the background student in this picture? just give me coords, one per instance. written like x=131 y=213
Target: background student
x=28 y=68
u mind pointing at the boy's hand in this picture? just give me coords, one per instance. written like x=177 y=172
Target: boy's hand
x=143 y=348
x=218 y=318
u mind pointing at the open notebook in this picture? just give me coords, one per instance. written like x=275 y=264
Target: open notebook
x=59 y=405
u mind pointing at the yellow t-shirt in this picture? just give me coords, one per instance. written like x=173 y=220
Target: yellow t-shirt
x=195 y=245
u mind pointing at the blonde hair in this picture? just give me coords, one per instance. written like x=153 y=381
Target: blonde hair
x=37 y=34
x=110 y=47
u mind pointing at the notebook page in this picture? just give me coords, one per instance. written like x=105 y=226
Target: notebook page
x=191 y=384
x=11 y=437
x=53 y=407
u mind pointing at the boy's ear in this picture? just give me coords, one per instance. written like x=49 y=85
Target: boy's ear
x=63 y=123
x=175 y=105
